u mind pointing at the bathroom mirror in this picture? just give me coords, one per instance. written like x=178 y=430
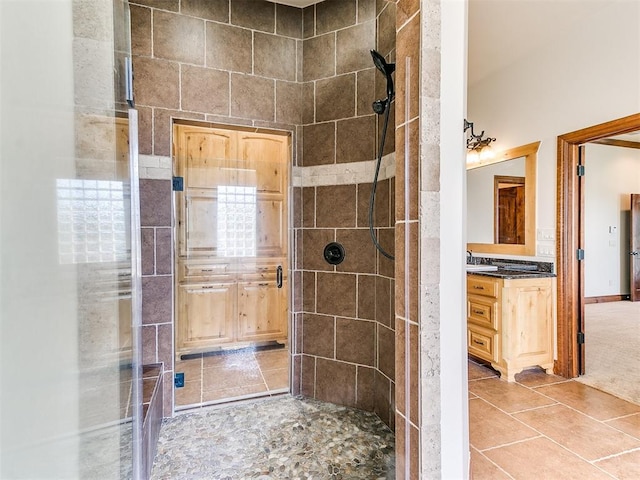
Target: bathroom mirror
x=501 y=202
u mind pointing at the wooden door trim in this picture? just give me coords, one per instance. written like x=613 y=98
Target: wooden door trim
x=570 y=197
x=634 y=233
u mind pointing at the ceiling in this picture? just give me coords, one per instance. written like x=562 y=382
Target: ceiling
x=503 y=31
x=296 y=3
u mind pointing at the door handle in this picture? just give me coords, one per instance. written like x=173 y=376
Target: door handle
x=634 y=253
x=279 y=276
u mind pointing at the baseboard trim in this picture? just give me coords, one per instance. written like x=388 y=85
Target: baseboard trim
x=606 y=298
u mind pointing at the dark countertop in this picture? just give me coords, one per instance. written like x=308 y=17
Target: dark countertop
x=511 y=274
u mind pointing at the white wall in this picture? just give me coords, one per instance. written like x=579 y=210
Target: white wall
x=588 y=73
x=612 y=173
x=450 y=232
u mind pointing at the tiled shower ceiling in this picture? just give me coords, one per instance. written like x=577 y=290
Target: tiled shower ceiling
x=296 y=3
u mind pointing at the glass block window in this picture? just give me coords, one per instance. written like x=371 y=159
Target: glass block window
x=236 y=221
x=92 y=221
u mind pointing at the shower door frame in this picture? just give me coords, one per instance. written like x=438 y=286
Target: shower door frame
x=286 y=215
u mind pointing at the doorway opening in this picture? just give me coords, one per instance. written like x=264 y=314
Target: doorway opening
x=570 y=233
x=231 y=263
x=509 y=225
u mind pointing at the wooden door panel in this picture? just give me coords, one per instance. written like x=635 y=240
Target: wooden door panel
x=200 y=225
x=634 y=251
x=207 y=314
x=271 y=233
x=264 y=153
x=203 y=153
x=262 y=311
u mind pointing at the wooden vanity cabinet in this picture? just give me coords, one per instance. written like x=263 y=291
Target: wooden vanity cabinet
x=510 y=322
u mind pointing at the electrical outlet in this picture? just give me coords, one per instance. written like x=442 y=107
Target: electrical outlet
x=178 y=380
x=545 y=251
x=548 y=234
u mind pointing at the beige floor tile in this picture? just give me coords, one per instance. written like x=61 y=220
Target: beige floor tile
x=483 y=469
x=273 y=359
x=190 y=394
x=541 y=459
x=230 y=377
x=587 y=437
x=231 y=393
x=629 y=424
x=623 y=467
x=594 y=403
x=192 y=369
x=477 y=371
x=509 y=397
x=537 y=377
x=489 y=427
x=229 y=360
x=277 y=378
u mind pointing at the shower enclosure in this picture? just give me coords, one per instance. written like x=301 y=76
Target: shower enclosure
x=71 y=402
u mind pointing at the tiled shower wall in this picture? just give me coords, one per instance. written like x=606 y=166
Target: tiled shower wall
x=309 y=72
x=344 y=329
x=232 y=62
x=410 y=244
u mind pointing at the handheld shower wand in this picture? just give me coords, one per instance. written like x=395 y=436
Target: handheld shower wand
x=387 y=69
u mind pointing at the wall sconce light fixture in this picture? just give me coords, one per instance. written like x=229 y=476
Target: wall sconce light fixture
x=479 y=147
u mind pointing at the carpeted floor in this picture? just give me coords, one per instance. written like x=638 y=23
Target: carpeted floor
x=612 y=343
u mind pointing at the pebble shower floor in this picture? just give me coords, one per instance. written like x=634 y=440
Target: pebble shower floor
x=278 y=438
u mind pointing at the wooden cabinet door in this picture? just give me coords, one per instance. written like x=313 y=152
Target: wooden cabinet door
x=262 y=153
x=527 y=322
x=262 y=311
x=207 y=314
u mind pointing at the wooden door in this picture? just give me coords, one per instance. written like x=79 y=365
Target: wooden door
x=634 y=251
x=509 y=215
x=232 y=224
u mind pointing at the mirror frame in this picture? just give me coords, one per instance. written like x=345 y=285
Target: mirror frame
x=530 y=153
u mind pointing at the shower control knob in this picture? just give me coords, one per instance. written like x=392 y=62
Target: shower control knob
x=334 y=253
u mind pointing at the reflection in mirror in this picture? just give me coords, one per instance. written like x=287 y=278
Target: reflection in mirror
x=501 y=203
x=508 y=200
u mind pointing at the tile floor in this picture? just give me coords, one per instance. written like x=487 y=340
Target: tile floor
x=232 y=376
x=540 y=427
x=275 y=438
x=548 y=427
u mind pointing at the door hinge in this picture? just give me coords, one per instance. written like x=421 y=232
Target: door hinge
x=580 y=171
x=580 y=254
x=178 y=184
x=128 y=82
x=580 y=338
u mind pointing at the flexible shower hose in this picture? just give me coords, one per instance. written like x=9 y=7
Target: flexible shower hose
x=375 y=183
